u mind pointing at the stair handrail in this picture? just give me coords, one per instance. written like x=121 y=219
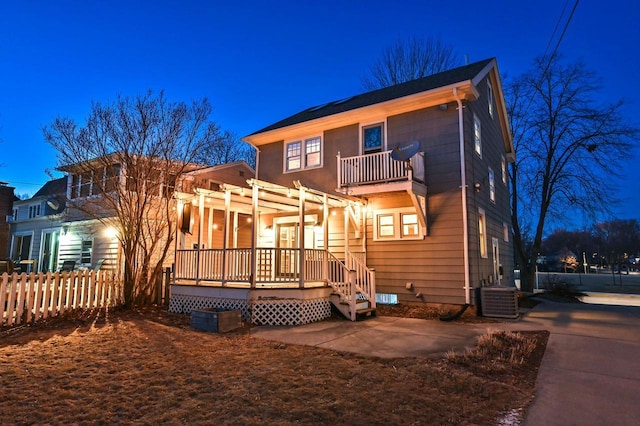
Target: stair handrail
x=365 y=280
x=339 y=280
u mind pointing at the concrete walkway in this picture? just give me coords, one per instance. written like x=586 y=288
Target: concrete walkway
x=590 y=373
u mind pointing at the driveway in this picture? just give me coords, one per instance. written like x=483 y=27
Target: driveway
x=590 y=373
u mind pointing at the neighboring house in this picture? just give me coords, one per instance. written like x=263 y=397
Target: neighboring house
x=36 y=228
x=7 y=198
x=405 y=187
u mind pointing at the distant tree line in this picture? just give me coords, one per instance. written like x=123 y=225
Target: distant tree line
x=613 y=244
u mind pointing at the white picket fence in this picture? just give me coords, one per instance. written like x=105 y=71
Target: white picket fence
x=26 y=298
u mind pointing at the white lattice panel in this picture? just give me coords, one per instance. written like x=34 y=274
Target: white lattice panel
x=289 y=311
x=183 y=304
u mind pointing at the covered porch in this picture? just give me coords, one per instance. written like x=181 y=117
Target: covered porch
x=267 y=243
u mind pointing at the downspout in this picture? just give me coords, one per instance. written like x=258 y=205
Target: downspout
x=463 y=190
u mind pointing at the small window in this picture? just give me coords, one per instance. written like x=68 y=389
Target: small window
x=503 y=169
x=75 y=186
x=397 y=224
x=505 y=232
x=312 y=152
x=409 y=224
x=490 y=97
x=492 y=186
x=482 y=232
x=387 y=298
x=87 y=249
x=477 y=137
x=385 y=226
x=373 y=138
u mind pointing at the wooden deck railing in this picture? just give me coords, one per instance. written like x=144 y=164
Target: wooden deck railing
x=28 y=297
x=378 y=167
x=273 y=265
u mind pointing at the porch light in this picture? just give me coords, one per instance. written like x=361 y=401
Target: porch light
x=111 y=232
x=215 y=227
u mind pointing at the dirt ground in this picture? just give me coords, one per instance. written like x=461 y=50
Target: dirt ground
x=149 y=367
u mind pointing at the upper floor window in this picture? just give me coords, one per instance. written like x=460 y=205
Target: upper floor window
x=505 y=232
x=490 y=97
x=477 y=137
x=503 y=169
x=34 y=211
x=492 y=186
x=304 y=154
x=373 y=138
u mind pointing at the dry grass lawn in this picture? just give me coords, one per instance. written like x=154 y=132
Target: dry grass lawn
x=150 y=367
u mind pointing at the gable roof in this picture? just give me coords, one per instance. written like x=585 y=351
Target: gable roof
x=424 y=84
x=53 y=187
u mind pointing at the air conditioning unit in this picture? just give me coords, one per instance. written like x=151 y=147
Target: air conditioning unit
x=499 y=302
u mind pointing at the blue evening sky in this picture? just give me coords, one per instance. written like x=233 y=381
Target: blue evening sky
x=260 y=61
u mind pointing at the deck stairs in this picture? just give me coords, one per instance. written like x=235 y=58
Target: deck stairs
x=353 y=287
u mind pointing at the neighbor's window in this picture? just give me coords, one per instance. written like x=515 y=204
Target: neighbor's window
x=492 y=186
x=87 y=249
x=34 y=211
x=505 y=232
x=396 y=224
x=373 y=138
x=490 y=97
x=477 y=136
x=482 y=232
x=503 y=169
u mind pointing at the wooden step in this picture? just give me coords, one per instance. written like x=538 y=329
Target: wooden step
x=365 y=313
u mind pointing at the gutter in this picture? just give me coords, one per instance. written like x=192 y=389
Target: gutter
x=463 y=190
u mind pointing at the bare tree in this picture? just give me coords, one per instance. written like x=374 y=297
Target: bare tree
x=409 y=59
x=125 y=161
x=567 y=147
x=226 y=148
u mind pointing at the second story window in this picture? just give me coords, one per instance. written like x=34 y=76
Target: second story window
x=373 y=138
x=34 y=211
x=477 y=137
x=503 y=169
x=490 y=97
x=303 y=154
x=492 y=186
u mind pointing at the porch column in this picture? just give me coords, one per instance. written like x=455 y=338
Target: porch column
x=301 y=264
x=200 y=226
x=254 y=233
x=345 y=213
x=325 y=236
x=225 y=238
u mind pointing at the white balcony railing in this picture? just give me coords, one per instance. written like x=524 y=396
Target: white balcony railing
x=378 y=167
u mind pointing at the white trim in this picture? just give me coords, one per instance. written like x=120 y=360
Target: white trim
x=303 y=154
x=372 y=123
x=397 y=214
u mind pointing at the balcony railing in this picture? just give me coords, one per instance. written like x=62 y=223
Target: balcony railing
x=379 y=168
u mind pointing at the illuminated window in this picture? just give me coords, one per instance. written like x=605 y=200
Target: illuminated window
x=492 y=186
x=482 y=232
x=373 y=138
x=409 y=224
x=312 y=152
x=490 y=97
x=503 y=169
x=294 y=152
x=385 y=226
x=397 y=224
x=303 y=154
x=477 y=135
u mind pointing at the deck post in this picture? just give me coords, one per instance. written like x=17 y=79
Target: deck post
x=200 y=226
x=339 y=171
x=301 y=263
x=345 y=212
x=325 y=237
x=227 y=216
x=254 y=233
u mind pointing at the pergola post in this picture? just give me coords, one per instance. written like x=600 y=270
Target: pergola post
x=325 y=237
x=301 y=264
x=200 y=226
x=225 y=230
x=254 y=233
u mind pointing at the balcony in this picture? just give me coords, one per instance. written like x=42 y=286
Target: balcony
x=379 y=172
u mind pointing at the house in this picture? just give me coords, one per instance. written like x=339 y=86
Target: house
x=7 y=198
x=36 y=227
x=395 y=195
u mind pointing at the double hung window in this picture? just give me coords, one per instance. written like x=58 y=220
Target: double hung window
x=303 y=154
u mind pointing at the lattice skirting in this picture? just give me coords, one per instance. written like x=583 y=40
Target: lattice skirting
x=259 y=312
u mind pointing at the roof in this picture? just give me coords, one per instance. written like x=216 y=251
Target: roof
x=53 y=187
x=445 y=78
